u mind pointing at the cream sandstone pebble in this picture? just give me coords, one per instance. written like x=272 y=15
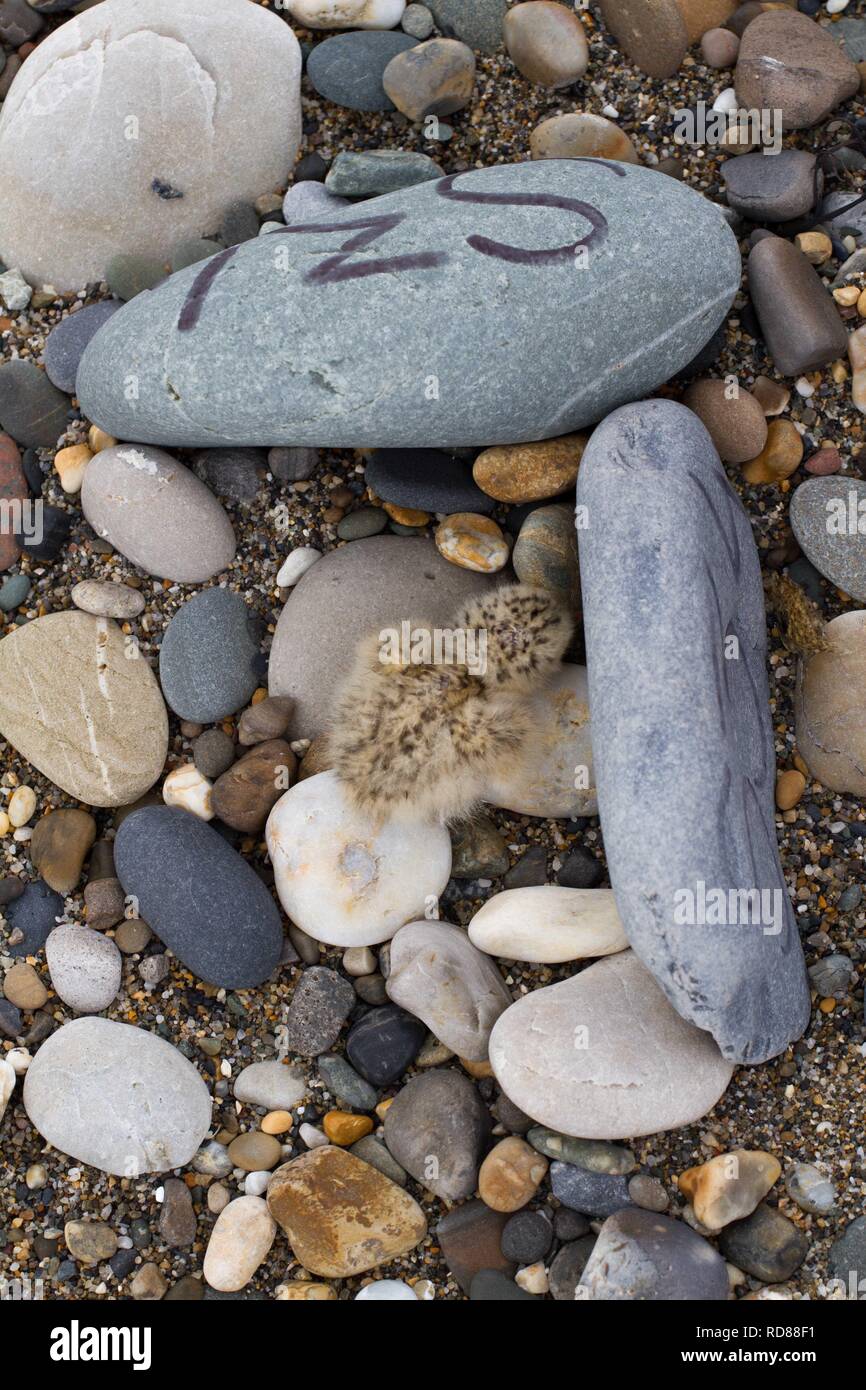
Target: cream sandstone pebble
x=188 y=788
x=549 y=924
x=511 y=1174
x=98 y=440
x=546 y=43
x=581 y=135
x=23 y=987
x=240 y=1241
x=22 y=804
x=346 y=14
x=729 y=1186
x=731 y=415
x=70 y=465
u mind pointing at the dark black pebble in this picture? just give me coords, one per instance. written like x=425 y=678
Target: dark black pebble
x=384 y=1042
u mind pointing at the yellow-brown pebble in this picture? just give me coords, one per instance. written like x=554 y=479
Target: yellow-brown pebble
x=771 y=396
x=733 y=418
x=406 y=516
x=479 y=1070
x=790 y=786
x=99 y=440
x=816 y=246
x=306 y=1291
x=277 y=1122
x=510 y=1175
x=70 y=464
x=344 y=1129
x=255 y=1151
x=23 y=987
x=780 y=456
x=729 y=1186
x=529 y=472
x=473 y=542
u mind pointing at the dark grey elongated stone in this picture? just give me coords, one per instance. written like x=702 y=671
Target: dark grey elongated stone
x=199 y=896
x=798 y=318
x=66 y=343
x=682 y=742
x=206 y=659
x=455 y=293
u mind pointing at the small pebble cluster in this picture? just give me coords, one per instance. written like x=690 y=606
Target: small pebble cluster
x=325 y=976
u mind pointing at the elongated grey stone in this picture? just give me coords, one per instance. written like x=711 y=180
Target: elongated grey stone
x=676 y=643
x=406 y=321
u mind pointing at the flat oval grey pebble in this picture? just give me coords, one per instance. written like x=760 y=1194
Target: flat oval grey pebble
x=370 y=173
x=85 y=968
x=199 y=896
x=439 y=1115
x=66 y=342
x=117 y=1097
x=825 y=515
x=35 y=915
x=669 y=567
x=641 y=1256
x=345 y=1084
x=32 y=410
x=206 y=659
x=347 y=69
x=427 y=480
x=157 y=513
x=592 y=1194
x=440 y=977
x=271 y=1084
x=107 y=599
x=478 y=264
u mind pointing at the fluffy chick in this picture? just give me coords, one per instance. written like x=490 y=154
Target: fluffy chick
x=425 y=739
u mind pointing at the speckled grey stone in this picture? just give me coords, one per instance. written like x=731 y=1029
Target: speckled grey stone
x=773 y=188
x=821 y=514
x=640 y=1256
x=67 y=341
x=347 y=69
x=440 y=977
x=346 y=595
x=477 y=22
x=345 y=1084
x=320 y=1005
x=466 y=326
x=682 y=739
x=436 y=1129
x=206 y=659
x=592 y=1194
x=32 y=410
x=117 y=1097
x=199 y=896
x=85 y=968
x=367 y=173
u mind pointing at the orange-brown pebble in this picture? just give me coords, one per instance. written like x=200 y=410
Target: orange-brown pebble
x=510 y=1175
x=529 y=472
x=306 y=1291
x=479 y=1070
x=384 y=1106
x=473 y=542
x=98 y=440
x=780 y=456
x=790 y=786
x=406 y=516
x=344 y=1129
x=277 y=1122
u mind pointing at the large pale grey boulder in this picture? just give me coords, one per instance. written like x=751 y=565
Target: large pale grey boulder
x=134 y=125
x=604 y=1056
x=682 y=740
x=432 y=316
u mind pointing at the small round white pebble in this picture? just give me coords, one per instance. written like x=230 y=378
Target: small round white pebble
x=297 y=563
x=188 y=788
x=386 y=1291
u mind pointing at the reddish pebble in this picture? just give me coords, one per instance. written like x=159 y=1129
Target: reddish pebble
x=13 y=487
x=826 y=460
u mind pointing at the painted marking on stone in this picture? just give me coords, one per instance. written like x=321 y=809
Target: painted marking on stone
x=518 y=255
x=198 y=293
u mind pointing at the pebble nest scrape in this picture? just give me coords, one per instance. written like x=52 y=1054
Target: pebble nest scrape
x=805 y=1106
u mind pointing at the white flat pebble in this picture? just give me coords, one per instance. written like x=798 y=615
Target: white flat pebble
x=549 y=924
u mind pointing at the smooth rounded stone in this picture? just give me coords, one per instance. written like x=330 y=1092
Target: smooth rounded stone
x=320 y=1005
x=373 y=1151
x=790 y=64
x=347 y=69
x=652 y=33
x=56 y=526
x=33 y=913
x=592 y=1194
x=436 y=1128
x=212 y=1160
x=23 y=988
x=386 y=1291
x=593 y=1154
x=341 y=880
x=239 y=1242
x=766 y=1245
x=774 y=188
x=213 y=753
x=66 y=342
x=642 y=1256
x=417 y=21
x=832 y=975
x=32 y=410
x=59 y=846
x=527 y=1236
x=799 y=320
x=244 y=795
x=546 y=43
x=568 y=1265
x=192 y=251
x=363 y=523
x=648 y=1193
x=199 y=896
x=581 y=135
x=511 y=1174
x=477 y=22
x=725 y=951
x=255 y=1151
x=340 y=14
x=635 y=1067
x=426 y=480
x=735 y=422
x=383 y=1043
x=10 y=1022
x=307 y=201
x=299 y=560
x=271 y=1085
x=235 y=473
x=555 y=777
x=454 y=375
x=826 y=517
x=470 y=1237
x=367 y=173
x=341 y=1215
x=14 y=491
x=580 y=869
x=16 y=589
x=545 y=553
x=439 y=976
x=116 y=1097
x=265 y=720
x=847 y=1258
x=345 y=1084
x=130 y=274
x=141 y=183
x=548 y=924
x=206 y=661
x=105 y=598
x=350 y=593
x=89 y=1242
x=82 y=713
x=729 y=1186
x=528 y=472
x=828 y=706
x=132 y=936
x=157 y=513
x=811 y=1189
x=473 y=542
x=177 y=1223
x=85 y=968
x=719 y=48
